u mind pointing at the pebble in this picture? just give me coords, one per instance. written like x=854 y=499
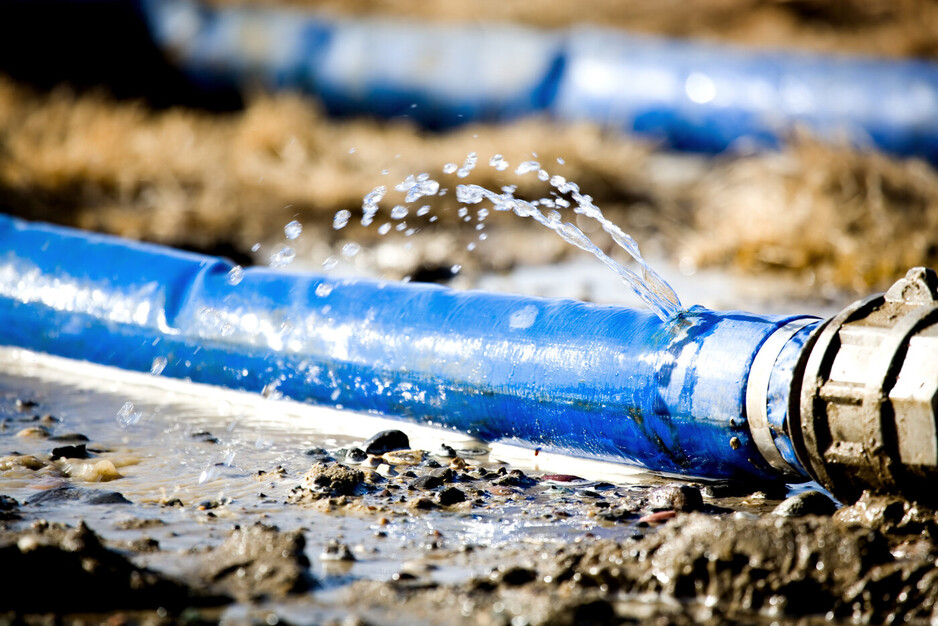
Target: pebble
x=27 y=461
x=69 y=438
x=336 y=551
x=446 y=451
x=806 y=503
x=387 y=441
x=675 y=498
x=77 y=494
x=37 y=432
x=70 y=452
x=204 y=436
x=516 y=478
x=426 y=482
x=320 y=454
x=355 y=455
x=26 y=405
x=451 y=495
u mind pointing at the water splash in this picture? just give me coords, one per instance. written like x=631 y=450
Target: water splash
x=647 y=284
x=293 y=229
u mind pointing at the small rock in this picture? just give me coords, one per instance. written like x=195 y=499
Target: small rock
x=675 y=498
x=516 y=576
x=70 y=452
x=355 y=455
x=67 y=493
x=561 y=478
x=205 y=437
x=422 y=504
x=445 y=451
x=387 y=441
x=8 y=503
x=806 y=503
x=451 y=495
x=426 y=482
x=515 y=478
x=33 y=432
x=26 y=405
x=69 y=438
x=27 y=461
x=336 y=551
x=320 y=454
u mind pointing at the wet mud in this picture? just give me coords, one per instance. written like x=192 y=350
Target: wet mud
x=447 y=534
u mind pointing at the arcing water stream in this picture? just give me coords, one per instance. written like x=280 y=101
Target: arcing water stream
x=645 y=282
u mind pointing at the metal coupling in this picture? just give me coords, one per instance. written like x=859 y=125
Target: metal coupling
x=864 y=396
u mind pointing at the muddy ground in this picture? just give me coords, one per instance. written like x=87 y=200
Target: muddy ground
x=380 y=532
x=201 y=521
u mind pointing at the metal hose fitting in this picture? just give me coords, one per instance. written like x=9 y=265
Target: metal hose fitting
x=864 y=395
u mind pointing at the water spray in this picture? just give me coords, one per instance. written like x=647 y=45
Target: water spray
x=850 y=402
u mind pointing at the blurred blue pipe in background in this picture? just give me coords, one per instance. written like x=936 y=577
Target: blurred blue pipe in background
x=688 y=95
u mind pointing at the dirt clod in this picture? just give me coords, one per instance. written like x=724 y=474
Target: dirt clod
x=98 y=579
x=259 y=561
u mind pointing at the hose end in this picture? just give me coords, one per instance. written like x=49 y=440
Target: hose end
x=864 y=396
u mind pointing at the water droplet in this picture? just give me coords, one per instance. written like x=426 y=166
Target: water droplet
x=449 y=168
x=282 y=257
x=351 y=150
x=433 y=218
x=469 y=165
x=126 y=416
x=524 y=317
x=235 y=275
x=499 y=163
x=471 y=246
x=341 y=219
x=561 y=161
x=255 y=247
x=400 y=226
x=293 y=230
x=399 y=212
x=385 y=172
x=455 y=269
x=323 y=290
x=423 y=210
x=483 y=236
x=527 y=166
x=417 y=187
x=158 y=365
x=330 y=262
x=350 y=249
x=384 y=229
x=542 y=175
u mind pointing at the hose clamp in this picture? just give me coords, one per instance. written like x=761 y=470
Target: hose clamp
x=757 y=393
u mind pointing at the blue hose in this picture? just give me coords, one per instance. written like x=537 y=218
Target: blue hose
x=601 y=382
x=689 y=95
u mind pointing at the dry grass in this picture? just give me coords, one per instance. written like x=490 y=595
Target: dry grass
x=223 y=182
x=848 y=219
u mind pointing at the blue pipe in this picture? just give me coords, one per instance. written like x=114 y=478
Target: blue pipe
x=688 y=95
x=601 y=382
